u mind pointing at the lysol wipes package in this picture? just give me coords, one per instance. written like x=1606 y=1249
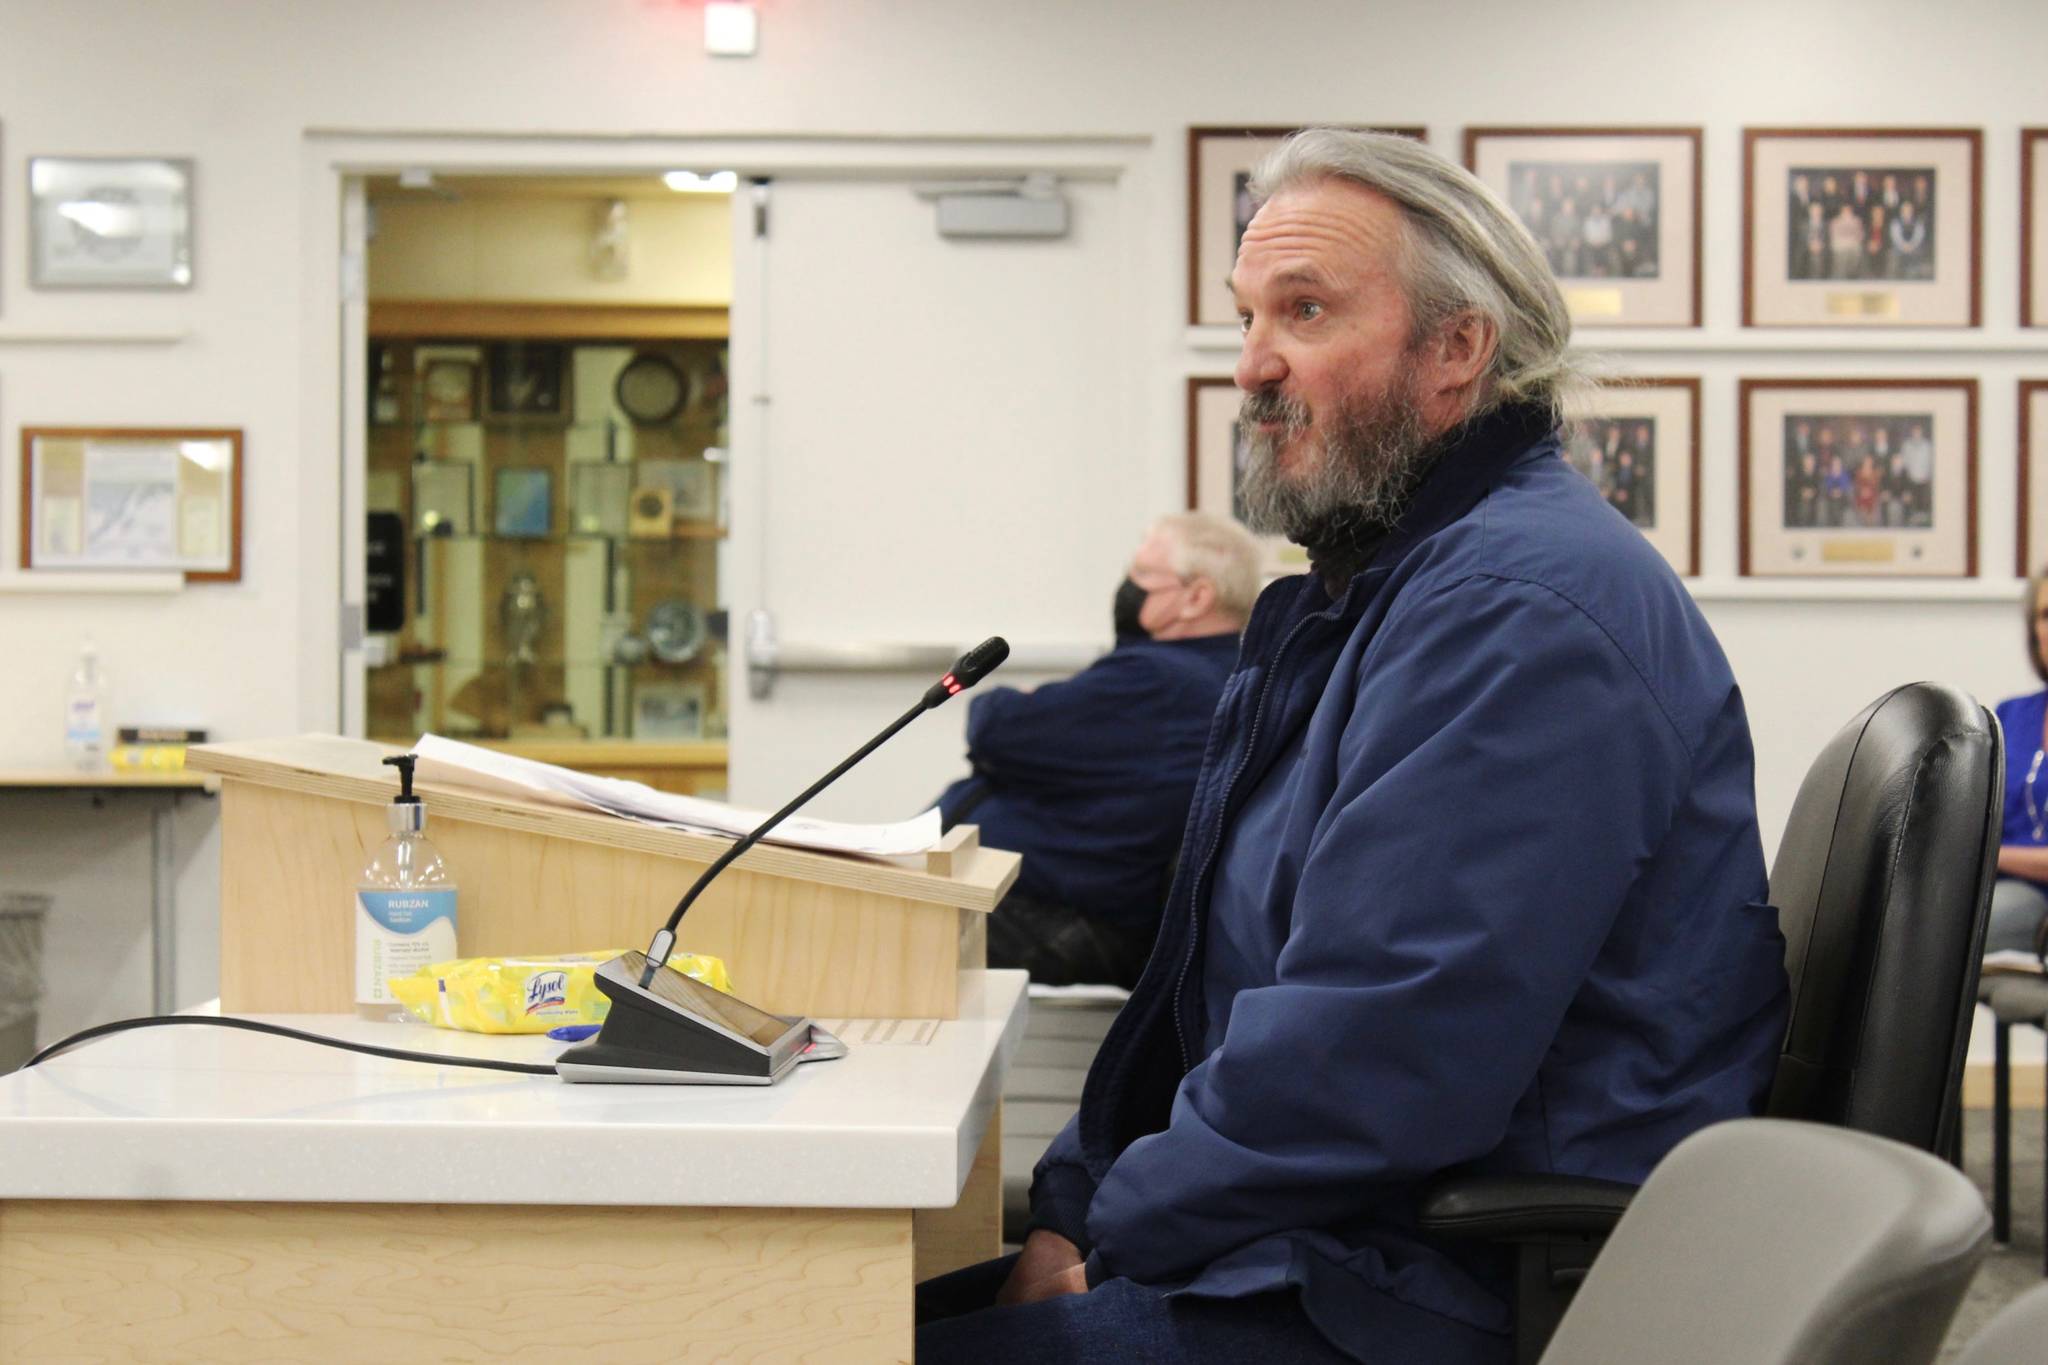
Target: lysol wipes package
x=526 y=994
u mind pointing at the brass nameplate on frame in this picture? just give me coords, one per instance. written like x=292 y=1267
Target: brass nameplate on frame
x=1880 y=304
x=1593 y=303
x=1862 y=551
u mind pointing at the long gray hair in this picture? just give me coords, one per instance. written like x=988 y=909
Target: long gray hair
x=1465 y=252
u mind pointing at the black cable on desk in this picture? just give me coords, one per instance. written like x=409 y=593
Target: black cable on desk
x=396 y=1054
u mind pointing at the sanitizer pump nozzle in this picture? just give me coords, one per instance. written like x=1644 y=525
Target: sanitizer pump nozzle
x=407 y=815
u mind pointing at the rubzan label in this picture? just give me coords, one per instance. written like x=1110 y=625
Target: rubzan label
x=397 y=933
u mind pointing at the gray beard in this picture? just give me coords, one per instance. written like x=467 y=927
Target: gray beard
x=1352 y=486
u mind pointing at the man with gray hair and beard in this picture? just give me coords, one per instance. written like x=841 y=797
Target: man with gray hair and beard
x=1471 y=881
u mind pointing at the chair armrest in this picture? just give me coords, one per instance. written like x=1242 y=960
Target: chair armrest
x=1513 y=1208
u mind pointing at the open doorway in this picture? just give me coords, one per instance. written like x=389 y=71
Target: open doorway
x=543 y=467
x=934 y=437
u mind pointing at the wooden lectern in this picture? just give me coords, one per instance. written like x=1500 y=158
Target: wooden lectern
x=801 y=932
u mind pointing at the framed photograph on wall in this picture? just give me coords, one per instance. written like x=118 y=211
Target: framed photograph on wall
x=101 y=222
x=448 y=390
x=1616 y=211
x=2033 y=501
x=1862 y=227
x=1220 y=162
x=1639 y=443
x=2034 y=227
x=135 y=499
x=525 y=381
x=1858 y=477
x=1217 y=451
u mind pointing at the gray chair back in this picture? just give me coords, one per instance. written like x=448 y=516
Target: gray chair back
x=1767 y=1242
x=2017 y=1336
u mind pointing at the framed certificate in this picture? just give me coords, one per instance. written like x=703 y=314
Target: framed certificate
x=133 y=499
x=110 y=223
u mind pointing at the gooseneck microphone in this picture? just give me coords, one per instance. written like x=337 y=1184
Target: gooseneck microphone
x=969 y=669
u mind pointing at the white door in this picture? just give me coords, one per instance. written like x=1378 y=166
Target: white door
x=934 y=441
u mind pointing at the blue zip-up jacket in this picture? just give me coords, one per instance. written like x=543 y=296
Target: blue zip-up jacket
x=1089 y=778
x=1471 y=882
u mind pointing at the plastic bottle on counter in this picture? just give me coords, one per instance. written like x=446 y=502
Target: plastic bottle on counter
x=85 y=729
x=405 y=904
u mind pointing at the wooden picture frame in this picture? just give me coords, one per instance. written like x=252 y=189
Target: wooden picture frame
x=1216 y=462
x=1645 y=183
x=1884 y=239
x=1614 y=428
x=2034 y=227
x=1914 y=515
x=2033 y=483
x=133 y=499
x=1220 y=157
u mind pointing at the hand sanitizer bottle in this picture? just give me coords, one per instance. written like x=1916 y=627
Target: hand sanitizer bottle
x=85 y=731
x=405 y=904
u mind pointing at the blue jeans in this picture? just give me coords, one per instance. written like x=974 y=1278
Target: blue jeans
x=1118 y=1322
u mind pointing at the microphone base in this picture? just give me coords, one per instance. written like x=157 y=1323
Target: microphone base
x=678 y=1031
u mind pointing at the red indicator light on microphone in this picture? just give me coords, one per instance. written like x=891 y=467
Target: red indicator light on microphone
x=951 y=685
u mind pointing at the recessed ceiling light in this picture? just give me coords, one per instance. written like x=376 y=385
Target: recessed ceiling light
x=689 y=182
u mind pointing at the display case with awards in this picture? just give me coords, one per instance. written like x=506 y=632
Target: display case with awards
x=562 y=512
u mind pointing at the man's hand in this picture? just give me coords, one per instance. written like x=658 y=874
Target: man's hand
x=1048 y=1267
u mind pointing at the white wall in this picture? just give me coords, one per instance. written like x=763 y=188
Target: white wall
x=236 y=84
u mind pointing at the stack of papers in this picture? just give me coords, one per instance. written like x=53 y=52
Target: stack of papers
x=451 y=763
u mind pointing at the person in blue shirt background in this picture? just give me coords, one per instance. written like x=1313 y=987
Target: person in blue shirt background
x=1089 y=778
x=1471 y=880
x=2019 y=902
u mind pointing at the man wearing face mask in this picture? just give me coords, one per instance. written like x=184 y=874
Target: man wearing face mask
x=1090 y=778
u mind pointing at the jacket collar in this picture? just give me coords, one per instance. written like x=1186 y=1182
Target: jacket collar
x=1475 y=459
x=1472 y=462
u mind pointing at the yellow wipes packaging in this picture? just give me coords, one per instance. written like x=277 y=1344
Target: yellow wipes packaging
x=526 y=994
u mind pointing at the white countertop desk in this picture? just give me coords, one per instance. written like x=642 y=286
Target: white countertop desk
x=194 y=1193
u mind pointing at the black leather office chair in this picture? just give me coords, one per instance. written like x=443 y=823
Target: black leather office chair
x=1883 y=885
